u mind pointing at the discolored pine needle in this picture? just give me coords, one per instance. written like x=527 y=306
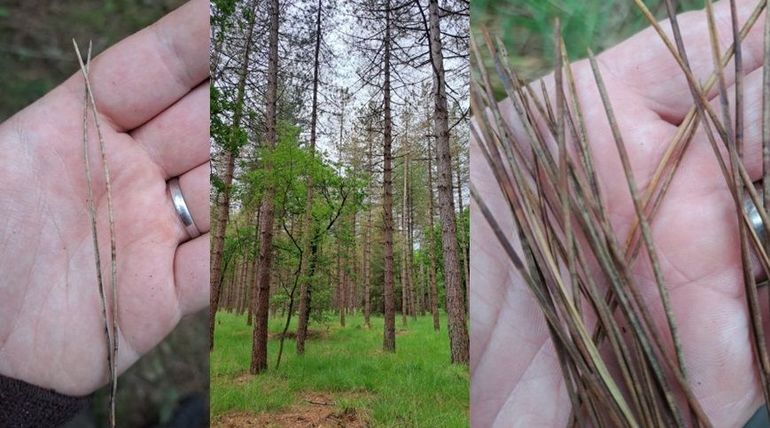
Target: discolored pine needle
x=111 y=218
x=760 y=347
x=551 y=117
x=92 y=219
x=766 y=127
x=581 y=138
x=566 y=216
x=531 y=232
x=537 y=203
x=645 y=227
x=597 y=241
x=670 y=161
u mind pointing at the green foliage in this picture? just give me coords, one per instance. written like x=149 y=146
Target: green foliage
x=36 y=39
x=416 y=386
x=222 y=10
x=526 y=26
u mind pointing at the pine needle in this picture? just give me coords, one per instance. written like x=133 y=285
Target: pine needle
x=113 y=343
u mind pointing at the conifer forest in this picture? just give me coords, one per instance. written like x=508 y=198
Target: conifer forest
x=339 y=203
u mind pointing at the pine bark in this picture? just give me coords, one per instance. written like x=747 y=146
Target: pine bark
x=464 y=253
x=458 y=330
x=367 y=240
x=409 y=247
x=223 y=202
x=404 y=260
x=432 y=247
x=389 y=334
x=259 y=345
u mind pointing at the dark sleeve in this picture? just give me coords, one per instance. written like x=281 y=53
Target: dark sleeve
x=24 y=405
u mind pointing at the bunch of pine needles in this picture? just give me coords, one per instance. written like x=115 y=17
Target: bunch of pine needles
x=109 y=313
x=555 y=198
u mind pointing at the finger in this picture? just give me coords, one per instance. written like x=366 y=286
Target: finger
x=177 y=140
x=644 y=63
x=195 y=190
x=191 y=274
x=145 y=73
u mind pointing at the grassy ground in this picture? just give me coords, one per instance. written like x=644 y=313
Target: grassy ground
x=416 y=386
x=36 y=40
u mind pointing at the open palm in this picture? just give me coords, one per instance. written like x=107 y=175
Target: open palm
x=516 y=379
x=152 y=94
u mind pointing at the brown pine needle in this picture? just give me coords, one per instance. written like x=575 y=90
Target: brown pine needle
x=766 y=127
x=760 y=347
x=92 y=218
x=646 y=233
x=113 y=350
x=670 y=161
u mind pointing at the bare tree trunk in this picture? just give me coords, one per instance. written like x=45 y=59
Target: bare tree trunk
x=463 y=237
x=389 y=334
x=254 y=293
x=352 y=278
x=458 y=330
x=404 y=259
x=237 y=286
x=432 y=247
x=259 y=346
x=367 y=240
x=243 y=287
x=224 y=290
x=223 y=202
x=303 y=317
x=305 y=275
x=410 y=247
x=341 y=294
x=424 y=288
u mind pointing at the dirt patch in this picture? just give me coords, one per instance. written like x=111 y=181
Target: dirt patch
x=316 y=410
x=243 y=379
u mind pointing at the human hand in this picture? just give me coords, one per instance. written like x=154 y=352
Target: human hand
x=151 y=90
x=516 y=378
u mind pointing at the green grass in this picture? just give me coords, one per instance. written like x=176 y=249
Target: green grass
x=526 y=26
x=415 y=387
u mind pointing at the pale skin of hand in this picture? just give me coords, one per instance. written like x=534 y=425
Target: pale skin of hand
x=516 y=379
x=152 y=93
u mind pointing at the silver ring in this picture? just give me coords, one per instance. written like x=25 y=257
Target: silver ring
x=181 y=208
x=753 y=214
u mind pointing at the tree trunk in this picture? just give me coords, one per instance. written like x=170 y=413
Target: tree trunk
x=404 y=262
x=389 y=334
x=352 y=278
x=303 y=317
x=458 y=330
x=254 y=287
x=341 y=294
x=464 y=254
x=259 y=347
x=305 y=275
x=368 y=238
x=244 y=286
x=432 y=247
x=223 y=202
x=409 y=244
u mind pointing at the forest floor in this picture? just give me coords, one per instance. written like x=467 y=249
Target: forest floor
x=344 y=379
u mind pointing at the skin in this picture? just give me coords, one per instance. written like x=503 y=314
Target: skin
x=152 y=93
x=516 y=380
